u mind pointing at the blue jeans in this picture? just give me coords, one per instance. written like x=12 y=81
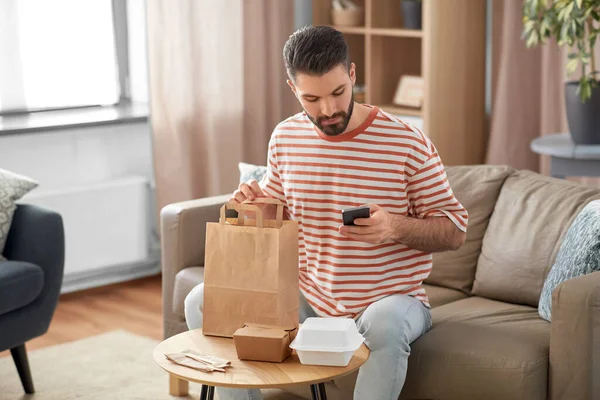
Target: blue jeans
x=389 y=326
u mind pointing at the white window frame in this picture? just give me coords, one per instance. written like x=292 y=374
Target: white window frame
x=11 y=74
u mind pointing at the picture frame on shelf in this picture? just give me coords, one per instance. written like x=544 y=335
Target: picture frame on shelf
x=410 y=91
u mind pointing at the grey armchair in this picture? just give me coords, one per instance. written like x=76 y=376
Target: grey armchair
x=30 y=281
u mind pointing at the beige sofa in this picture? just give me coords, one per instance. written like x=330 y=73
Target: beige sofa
x=487 y=340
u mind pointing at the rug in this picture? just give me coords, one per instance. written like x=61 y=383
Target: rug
x=111 y=366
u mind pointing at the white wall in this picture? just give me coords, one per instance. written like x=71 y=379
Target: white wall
x=71 y=159
x=68 y=157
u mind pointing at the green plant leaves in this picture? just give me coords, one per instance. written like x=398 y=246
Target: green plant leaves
x=572 y=65
x=585 y=89
x=572 y=23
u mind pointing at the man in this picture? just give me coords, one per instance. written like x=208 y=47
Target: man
x=339 y=154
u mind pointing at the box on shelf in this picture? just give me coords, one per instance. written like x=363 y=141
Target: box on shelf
x=351 y=17
x=346 y=13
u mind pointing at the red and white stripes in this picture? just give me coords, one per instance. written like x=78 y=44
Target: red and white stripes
x=384 y=161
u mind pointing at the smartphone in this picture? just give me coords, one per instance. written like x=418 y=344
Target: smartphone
x=350 y=214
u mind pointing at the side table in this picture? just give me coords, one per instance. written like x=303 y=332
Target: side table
x=566 y=157
x=245 y=374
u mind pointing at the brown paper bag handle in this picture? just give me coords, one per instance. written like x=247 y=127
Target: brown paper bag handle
x=263 y=200
x=240 y=208
x=269 y=200
x=247 y=205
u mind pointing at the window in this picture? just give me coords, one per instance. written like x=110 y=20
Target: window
x=57 y=54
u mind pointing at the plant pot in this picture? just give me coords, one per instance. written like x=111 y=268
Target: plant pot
x=583 y=118
x=412 y=11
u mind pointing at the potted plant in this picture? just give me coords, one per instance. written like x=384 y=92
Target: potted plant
x=412 y=11
x=574 y=23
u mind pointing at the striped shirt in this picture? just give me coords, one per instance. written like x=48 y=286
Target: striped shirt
x=384 y=161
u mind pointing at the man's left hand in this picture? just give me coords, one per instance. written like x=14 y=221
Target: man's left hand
x=377 y=229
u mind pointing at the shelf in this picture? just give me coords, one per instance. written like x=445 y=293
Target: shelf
x=393 y=32
x=385 y=49
x=354 y=30
x=399 y=110
x=412 y=33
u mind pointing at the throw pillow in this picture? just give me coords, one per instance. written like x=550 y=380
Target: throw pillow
x=12 y=188
x=250 y=171
x=579 y=254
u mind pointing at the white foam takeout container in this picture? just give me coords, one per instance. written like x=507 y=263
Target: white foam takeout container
x=327 y=341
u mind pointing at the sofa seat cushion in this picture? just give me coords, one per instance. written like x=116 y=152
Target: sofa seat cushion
x=20 y=284
x=480 y=349
x=438 y=296
x=477 y=189
x=185 y=280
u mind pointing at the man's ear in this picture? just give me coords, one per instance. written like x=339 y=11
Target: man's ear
x=352 y=73
x=291 y=85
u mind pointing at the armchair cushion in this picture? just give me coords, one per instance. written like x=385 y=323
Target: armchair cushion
x=12 y=188
x=20 y=283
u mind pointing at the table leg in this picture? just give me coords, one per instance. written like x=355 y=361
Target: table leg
x=314 y=392
x=322 y=392
x=178 y=387
x=207 y=392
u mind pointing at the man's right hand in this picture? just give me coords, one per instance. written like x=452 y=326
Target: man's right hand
x=247 y=191
x=252 y=191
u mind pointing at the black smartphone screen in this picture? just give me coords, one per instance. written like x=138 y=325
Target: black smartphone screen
x=350 y=214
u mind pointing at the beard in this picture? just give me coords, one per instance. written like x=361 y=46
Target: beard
x=335 y=129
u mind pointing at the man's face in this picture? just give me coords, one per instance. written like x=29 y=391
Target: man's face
x=327 y=99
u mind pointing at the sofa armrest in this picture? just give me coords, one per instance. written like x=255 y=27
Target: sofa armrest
x=575 y=339
x=37 y=236
x=183 y=233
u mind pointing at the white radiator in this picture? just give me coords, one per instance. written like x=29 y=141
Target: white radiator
x=107 y=225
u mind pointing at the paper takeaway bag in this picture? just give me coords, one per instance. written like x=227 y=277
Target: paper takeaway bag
x=250 y=271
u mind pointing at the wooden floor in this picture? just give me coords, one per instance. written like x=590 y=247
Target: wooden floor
x=135 y=306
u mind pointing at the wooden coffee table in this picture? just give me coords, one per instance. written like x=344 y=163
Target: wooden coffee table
x=244 y=374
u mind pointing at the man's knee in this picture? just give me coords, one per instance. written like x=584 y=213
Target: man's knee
x=193 y=307
x=393 y=321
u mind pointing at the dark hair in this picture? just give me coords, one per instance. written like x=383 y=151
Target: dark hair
x=315 y=50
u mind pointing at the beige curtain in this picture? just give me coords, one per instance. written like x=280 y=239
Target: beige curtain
x=527 y=90
x=217 y=90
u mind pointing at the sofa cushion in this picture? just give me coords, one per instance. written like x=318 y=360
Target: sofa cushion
x=476 y=188
x=20 y=284
x=185 y=280
x=532 y=215
x=439 y=296
x=251 y=171
x=12 y=188
x=579 y=254
x=480 y=349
